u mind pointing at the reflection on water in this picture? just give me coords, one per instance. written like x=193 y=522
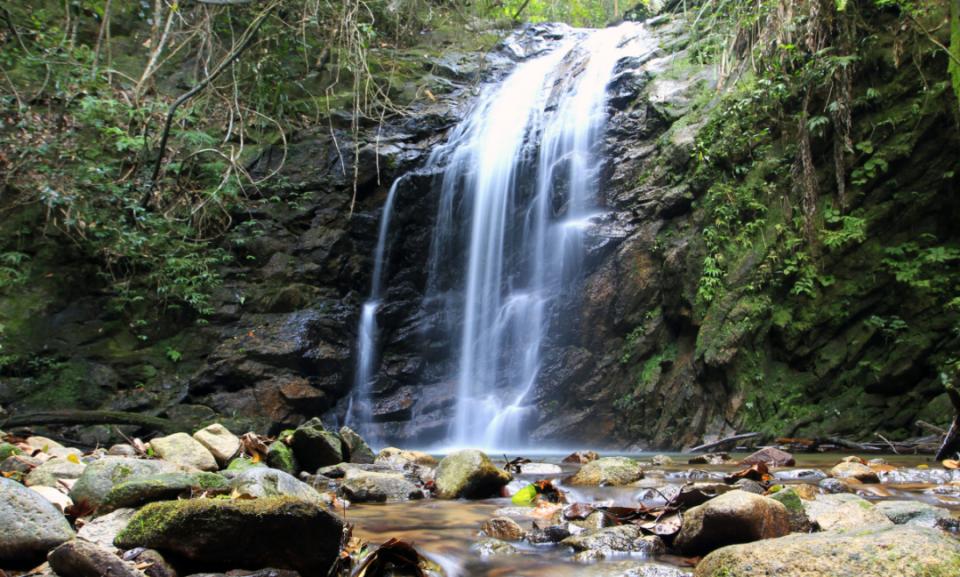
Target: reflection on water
x=445 y=531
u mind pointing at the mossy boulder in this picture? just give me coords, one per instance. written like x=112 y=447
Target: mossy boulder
x=358 y=451
x=469 y=474
x=799 y=523
x=608 y=471
x=734 y=517
x=278 y=532
x=29 y=524
x=904 y=551
x=315 y=447
x=163 y=486
x=99 y=477
x=280 y=455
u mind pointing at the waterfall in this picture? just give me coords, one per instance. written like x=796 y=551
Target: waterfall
x=518 y=184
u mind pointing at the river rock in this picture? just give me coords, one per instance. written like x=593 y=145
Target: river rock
x=159 y=487
x=917 y=513
x=59 y=499
x=770 y=456
x=379 y=488
x=661 y=460
x=157 y=566
x=280 y=455
x=279 y=532
x=266 y=482
x=399 y=458
x=632 y=569
x=122 y=450
x=51 y=472
x=469 y=474
x=221 y=443
x=709 y=459
x=807 y=475
x=80 y=558
x=844 y=511
x=29 y=524
x=358 y=451
x=182 y=449
x=799 y=522
x=831 y=485
x=608 y=471
x=854 y=470
x=494 y=548
x=901 y=551
x=100 y=476
x=316 y=447
x=622 y=538
x=503 y=528
x=581 y=457
x=105 y=528
x=734 y=517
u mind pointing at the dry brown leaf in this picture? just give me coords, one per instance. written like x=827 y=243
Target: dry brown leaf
x=951 y=464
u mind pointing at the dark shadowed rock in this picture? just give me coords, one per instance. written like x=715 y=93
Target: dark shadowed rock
x=358 y=451
x=316 y=447
x=79 y=558
x=276 y=532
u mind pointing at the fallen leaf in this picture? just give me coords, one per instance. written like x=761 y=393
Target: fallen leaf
x=393 y=557
x=951 y=464
x=756 y=472
x=73 y=458
x=525 y=497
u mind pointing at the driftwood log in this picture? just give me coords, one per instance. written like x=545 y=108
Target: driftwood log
x=724 y=442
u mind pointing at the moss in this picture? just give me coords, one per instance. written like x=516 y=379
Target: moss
x=280 y=455
x=7 y=450
x=790 y=500
x=955 y=47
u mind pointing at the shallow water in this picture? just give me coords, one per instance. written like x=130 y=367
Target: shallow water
x=445 y=531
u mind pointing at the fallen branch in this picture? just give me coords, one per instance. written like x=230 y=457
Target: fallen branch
x=932 y=428
x=92 y=418
x=724 y=442
x=168 y=124
x=951 y=442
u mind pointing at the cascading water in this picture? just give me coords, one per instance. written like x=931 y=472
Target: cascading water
x=519 y=182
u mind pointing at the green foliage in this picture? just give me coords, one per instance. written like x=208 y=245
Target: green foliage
x=926 y=268
x=574 y=12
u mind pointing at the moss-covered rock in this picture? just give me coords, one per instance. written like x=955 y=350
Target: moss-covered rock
x=163 y=486
x=902 y=551
x=316 y=447
x=7 y=450
x=469 y=474
x=608 y=471
x=358 y=451
x=99 y=477
x=279 y=532
x=280 y=454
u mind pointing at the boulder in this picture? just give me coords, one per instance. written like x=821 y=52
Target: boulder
x=105 y=528
x=80 y=558
x=221 y=443
x=791 y=499
x=182 y=449
x=734 y=517
x=280 y=532
x=770 y=456
x=608 y=471
x=59 y=499
x=917 y=513
x=50 y=473
x=379 y=487
x=901 y=551
x=30 y=524
x=604 y=542
x=157 y=566
x=159 y=487
x=854 y=470
x=100 y=476
x=844 y=511
x=280 y=455
x=581 y=457
x=503 y=528
x=266 y=482
x=398 y=458
x=358 y=451
x=469 y=474
x=494 y=548
x=316 y=447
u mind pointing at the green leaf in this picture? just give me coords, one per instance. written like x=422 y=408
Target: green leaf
x=525 y=497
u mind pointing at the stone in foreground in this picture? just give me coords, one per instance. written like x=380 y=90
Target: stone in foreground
x=917 y=513
x=608 y=471
x=29 y=524
x=379 y=488
x=278 y=532
x=79 y=558
x=844 y=511
x=160 y=487
x=902 y=551
x=469 y=474
x=734 y=517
